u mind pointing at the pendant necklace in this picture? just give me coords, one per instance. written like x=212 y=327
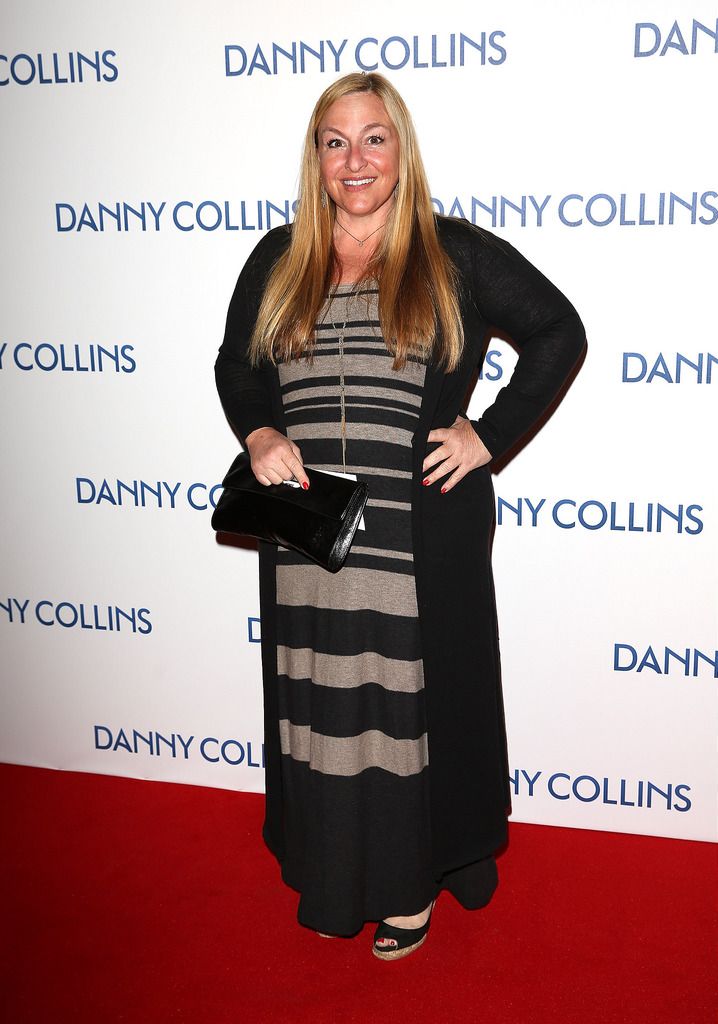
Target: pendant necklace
x=351 y=295
x=361 y=241
x=342 y=405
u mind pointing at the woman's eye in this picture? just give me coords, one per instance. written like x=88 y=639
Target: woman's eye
x=334 y=143
x=375 y=139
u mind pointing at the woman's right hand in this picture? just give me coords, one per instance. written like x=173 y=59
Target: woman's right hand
x=274 y=458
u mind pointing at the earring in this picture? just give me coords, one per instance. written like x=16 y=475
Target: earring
x=323 y=196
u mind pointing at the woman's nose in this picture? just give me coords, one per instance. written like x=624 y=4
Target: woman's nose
x=355 y=159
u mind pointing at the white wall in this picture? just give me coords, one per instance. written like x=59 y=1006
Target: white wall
x=559 y=106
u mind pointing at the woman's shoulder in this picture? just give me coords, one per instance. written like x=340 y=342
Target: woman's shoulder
x=271 y=244
x=460 y=233
x=265 y=254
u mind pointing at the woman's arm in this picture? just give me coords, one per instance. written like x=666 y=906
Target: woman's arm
x=514 y=296
x=243 y=388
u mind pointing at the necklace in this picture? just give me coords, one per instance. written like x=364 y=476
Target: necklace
x=342 y=405
x=361 y=241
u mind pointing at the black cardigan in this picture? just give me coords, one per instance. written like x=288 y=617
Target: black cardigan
x=451 y=533
x=507 y=291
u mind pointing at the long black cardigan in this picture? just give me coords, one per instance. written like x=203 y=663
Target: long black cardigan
x=468 y=761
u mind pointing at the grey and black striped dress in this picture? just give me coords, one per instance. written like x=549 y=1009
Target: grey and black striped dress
x=352 y=719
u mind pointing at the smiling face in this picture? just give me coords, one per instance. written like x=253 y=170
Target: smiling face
x=359 y=159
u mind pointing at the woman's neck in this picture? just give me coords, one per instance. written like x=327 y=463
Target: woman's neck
x=359 y=230
x=352 y=266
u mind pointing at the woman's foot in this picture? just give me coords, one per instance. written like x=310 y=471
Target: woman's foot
x=397 y=936
x=410 y=922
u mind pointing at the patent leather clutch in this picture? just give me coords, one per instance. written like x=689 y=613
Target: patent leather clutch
x=320 y=522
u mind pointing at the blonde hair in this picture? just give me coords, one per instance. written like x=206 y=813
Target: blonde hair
x=418 y=285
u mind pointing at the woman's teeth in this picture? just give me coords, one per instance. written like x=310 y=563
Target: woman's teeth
x=358 y=181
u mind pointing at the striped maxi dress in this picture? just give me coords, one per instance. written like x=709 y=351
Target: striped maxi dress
x=352 y=720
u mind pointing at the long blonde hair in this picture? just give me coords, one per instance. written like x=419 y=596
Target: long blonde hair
x=418 y=284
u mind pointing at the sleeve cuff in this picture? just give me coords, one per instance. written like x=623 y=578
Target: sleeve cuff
x=252 y=422
x=488 y=436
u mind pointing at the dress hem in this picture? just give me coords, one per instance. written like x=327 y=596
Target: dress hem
x=472 y=884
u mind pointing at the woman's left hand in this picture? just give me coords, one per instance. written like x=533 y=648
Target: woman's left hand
x=461 y=451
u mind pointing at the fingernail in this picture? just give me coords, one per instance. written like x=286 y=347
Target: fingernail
x=444 y=490
x=426 y=482
x=305 y=485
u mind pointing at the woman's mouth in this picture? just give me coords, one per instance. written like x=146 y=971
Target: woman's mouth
x=355 y=184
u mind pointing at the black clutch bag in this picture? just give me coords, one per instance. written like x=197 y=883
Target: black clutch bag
x=319 y=522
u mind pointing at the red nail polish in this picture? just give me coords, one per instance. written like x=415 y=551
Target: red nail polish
x=426 y=482
x=305 y=485
x=443 y=490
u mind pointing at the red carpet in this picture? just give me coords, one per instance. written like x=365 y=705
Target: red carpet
x=133 y=902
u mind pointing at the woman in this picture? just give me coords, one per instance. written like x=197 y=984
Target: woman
x=351 y=340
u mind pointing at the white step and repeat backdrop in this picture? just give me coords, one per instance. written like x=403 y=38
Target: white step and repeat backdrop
x=146 y=147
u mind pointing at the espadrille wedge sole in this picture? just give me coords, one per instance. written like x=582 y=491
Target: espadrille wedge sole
x=407 y=939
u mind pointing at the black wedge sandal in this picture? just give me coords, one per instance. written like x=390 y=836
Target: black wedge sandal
x=406 y=939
